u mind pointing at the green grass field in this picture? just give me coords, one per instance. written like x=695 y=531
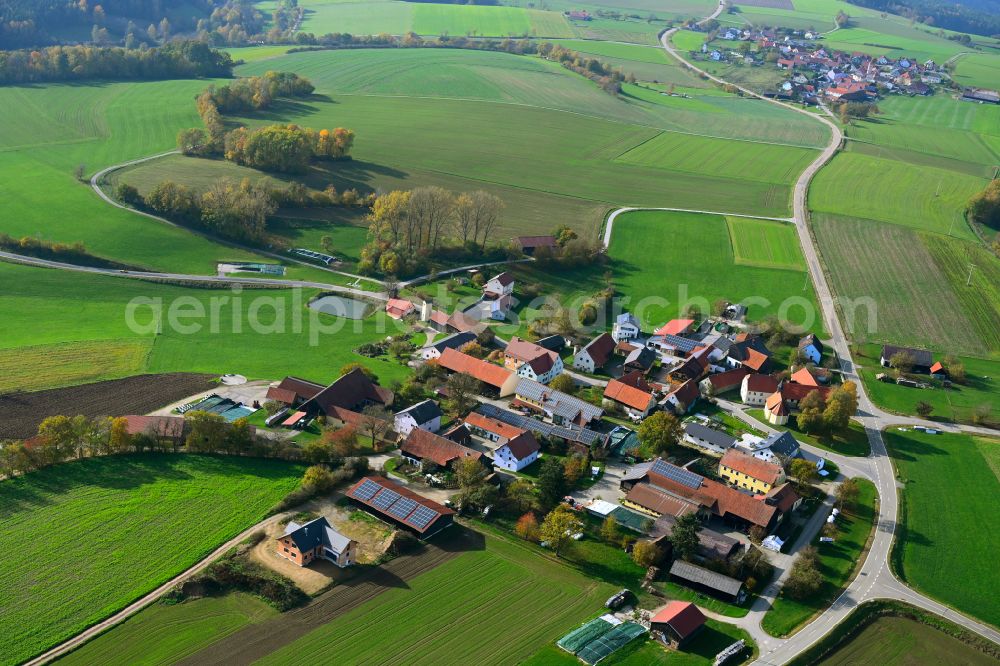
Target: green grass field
x=765 y=244
x=898 y=641
x=397 y=18
x=871 y=269
x=955 y=404
x=944 y=542
x=489 y=98
x=697 y=255
x=648 y=63
x=929 y=198
x=837 y=561
x=437 y=616
x=51 y=129
x=162 y=634
x=981 y=70
x=721 y=157
x=688 y=40
x=102 y=532
x=83 y=312
x=530 y=81
x=36 y=367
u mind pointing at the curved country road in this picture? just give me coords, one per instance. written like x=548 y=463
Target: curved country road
x=186 y=277
x=95 y=184
x=874 y=580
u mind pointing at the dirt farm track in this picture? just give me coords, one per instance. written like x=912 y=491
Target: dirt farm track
x=20 y=413
x=255 y=641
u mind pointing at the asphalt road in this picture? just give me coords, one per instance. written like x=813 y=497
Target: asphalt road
x=875 y=579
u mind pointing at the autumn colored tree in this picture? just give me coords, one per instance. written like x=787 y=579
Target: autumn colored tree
x=803 y=471
x=847 y=493
x=563 y=383
x=558 y=528
x=660 y=432
x=810 y=416
x=646 y=553
x=841 y=405
x=343 y=441
x=527 y=527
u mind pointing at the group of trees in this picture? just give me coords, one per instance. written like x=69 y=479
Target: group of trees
x=286 y=148
x=231 y=209
x=659 y=433
x=831 y=414
x=960 y=17
x=254 y=93
x=26 y=23
x=62 y=438
x=178 y=59
x=984 y=207
x=804 y=578
x=408 y=226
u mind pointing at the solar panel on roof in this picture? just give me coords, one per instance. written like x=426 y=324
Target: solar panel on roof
x=385 y=499
x=422 y=517
x=366 y=490
x=402 y=508
x=678 y=474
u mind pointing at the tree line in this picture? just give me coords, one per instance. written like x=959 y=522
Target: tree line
x=181 y=59
x=233 y=209
x=406 y=226
x=73 y=253
x=64 y=438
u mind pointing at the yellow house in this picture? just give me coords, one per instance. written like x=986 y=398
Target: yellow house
x=749 y=473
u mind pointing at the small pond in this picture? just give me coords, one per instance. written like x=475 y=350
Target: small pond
x=339 y=306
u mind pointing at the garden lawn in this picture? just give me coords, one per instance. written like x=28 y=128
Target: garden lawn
x=438 y=617
x=83 y=312
x=105 y=531
x=930 y=199
x=852 y=442
x=948 y=525
x=837 y=562
x=162 y=634
x=899 y=641
x=696 y=259
x=956 y=404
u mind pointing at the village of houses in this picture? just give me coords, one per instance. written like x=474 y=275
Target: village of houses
x=817 y=75
x=728 y=470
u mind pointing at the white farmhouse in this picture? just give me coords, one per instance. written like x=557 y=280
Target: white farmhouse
x=425 y=415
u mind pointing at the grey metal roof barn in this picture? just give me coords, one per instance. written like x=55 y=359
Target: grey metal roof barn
x=715 y=437
x=702 y=576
